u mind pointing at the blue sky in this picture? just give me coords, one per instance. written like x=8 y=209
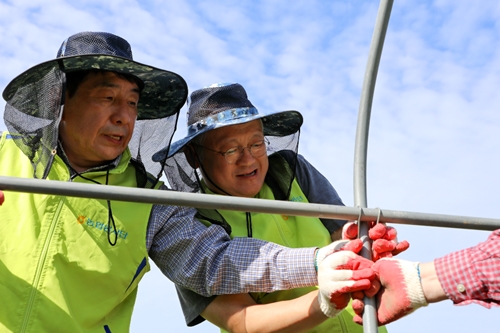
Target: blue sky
x=434 y=138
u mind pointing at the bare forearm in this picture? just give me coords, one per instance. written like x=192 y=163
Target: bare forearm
x=298 y=315
x=431 y=286
x=239 y=313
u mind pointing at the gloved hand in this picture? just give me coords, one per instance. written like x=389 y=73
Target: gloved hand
x=345 y=244
x=400 y=294
x=1 y=198
x=340 y=274
x=385 y=243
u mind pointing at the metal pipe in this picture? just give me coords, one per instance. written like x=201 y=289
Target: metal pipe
x=199 y=200
x=384 y=12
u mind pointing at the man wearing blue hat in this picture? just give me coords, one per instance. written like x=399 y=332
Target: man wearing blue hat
x=226 y=153
x=92 y=115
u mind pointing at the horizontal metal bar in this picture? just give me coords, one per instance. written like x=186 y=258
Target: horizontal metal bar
x=120 y=193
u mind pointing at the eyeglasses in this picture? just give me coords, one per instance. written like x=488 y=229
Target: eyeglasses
x=232 y=155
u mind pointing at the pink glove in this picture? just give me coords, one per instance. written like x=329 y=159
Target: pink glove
x=400 y=294
x=385 y=243
x=1 y=198
x=339 y=274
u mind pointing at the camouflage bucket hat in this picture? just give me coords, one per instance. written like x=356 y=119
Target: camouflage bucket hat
x=164 y=92
x=221 y=105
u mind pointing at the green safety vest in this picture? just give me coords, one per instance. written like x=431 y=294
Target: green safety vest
x=58 y=271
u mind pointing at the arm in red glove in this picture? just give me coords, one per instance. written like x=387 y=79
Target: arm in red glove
x=385 y=243
x=400 y=294
x=1 y=198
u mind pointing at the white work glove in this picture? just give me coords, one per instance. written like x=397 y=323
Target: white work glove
x=400 y=294
x=345 y=244
x=385 y=242
x=340 y=274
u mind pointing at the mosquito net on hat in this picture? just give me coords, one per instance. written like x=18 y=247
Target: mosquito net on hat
x=32 y=116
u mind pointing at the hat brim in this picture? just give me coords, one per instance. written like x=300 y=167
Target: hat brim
x=281 y=123
x=163 y=95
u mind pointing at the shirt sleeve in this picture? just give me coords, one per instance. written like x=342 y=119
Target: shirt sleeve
x=472 y=275
x=205 y=260
x=318 y=190
x=192 y=305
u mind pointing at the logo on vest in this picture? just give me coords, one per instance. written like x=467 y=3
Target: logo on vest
x=83 y=220
x=297 y=199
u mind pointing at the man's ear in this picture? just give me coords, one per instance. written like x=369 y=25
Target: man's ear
x=191 y=156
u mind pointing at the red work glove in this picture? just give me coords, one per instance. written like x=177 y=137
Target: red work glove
x=1 y=198
x=340 y=274
x=400 y=293
x=385 y=242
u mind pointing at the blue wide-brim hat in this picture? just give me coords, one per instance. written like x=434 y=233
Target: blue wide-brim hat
x=164 y=92
x=221 y=105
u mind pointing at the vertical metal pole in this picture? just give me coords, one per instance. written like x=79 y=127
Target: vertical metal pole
x=360 y=153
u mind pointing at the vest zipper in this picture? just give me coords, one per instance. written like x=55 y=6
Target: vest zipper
x=40 y=266
x=342 y=323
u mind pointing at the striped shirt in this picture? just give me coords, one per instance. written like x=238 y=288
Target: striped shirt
x=472 y=275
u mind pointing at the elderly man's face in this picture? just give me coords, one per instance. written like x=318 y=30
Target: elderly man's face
x=246 y=176
x=98 y=121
